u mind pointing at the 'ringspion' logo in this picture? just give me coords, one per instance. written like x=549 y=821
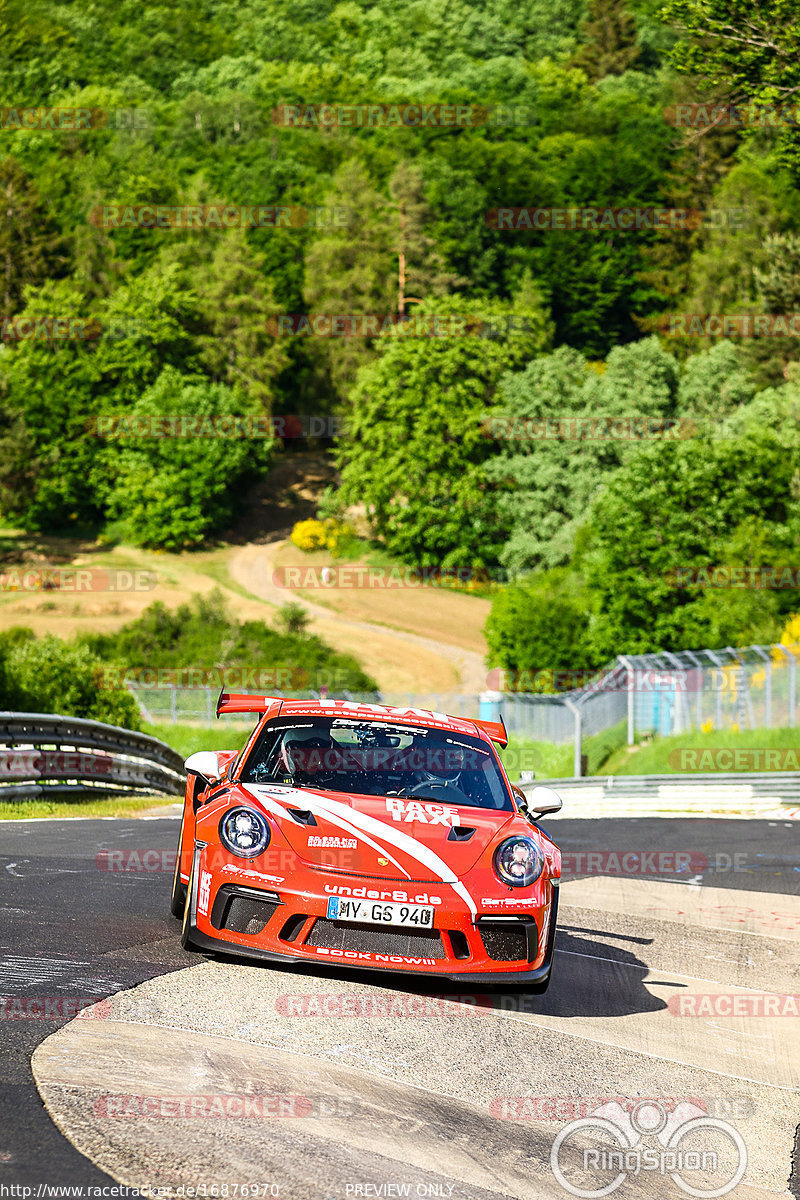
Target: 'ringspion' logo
x=594 y=1155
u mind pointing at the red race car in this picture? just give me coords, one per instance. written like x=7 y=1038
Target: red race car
x=368 y=836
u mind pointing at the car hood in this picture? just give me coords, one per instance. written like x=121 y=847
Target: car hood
x=383 y=837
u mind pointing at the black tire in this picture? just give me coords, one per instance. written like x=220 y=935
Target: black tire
x=178 y=901
x=186 y=941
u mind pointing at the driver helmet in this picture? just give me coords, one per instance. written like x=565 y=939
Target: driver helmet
x=306 y=750
x=453 y=761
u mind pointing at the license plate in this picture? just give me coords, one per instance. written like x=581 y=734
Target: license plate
x=373 y=912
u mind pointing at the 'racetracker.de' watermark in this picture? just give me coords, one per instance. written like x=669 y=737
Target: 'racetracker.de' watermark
x=395 y=325
x=219 y=216
x=740 y=758
x=774 y=578
x=633 y=862
x=589 y=429
x=738 y=1004
x=744 y=325
x=155 y=861
x=571 y=1108
x=227 y=426
x=359 y=575
x=221 y=1105
x=76 y=579
x=70 y=120
x=70 y=329
x=229 y=679
x=53 y=1008
x=647 y=680
x=635 y=219
x=732 y=116
x=400 y=116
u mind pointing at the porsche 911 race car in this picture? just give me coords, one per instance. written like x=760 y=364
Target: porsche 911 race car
x=367 y=836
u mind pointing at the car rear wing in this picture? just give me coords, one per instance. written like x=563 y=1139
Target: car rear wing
x=241 y=702
x=497 y=732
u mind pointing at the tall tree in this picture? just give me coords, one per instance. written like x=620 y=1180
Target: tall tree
x=348 y=268
x=416 y=441
x=236 y=298
x=609 y=40
x=565 y=428
x=655 y=517
x=421 y=271
x=30 y=246
x=747 y=51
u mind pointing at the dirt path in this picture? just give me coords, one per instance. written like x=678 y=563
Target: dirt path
x=399 y=660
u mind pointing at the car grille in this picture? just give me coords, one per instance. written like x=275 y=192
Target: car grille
x=507 y=942
x=242 y=913
x=374 y=939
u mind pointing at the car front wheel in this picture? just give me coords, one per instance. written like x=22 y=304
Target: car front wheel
x=178 y=900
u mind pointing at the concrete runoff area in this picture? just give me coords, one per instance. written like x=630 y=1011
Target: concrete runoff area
x=393 y=1085
x=398 y=1091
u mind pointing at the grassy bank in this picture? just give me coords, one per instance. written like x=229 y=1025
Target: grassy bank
x=608 y=753
x=653 y=757
x=551 y=761
x=83 y=805
x=224 y=734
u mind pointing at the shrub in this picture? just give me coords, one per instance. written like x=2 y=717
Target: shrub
x=320 y=535
x=292 y=618
x=541 y=625
x=50 y=676
x=201 y=636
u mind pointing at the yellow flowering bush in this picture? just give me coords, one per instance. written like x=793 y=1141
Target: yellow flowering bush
x=790 y=638
x=319 y=535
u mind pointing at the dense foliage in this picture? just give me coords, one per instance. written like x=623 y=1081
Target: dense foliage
x=196 y=645
x=579 y=105
x=201 y=644
x=48 y=675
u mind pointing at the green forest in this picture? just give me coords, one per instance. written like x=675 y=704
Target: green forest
x=570 y=105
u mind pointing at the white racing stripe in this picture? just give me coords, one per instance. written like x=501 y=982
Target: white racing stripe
x=271 y=805
x=361 y=824
x=401 y=841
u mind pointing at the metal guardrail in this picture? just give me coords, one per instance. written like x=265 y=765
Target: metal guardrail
x=42 y=754
x=777 y=787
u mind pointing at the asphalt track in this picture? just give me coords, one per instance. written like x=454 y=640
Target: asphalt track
x=401 y=1099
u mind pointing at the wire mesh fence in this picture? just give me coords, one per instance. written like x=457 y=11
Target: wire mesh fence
x=750 y=687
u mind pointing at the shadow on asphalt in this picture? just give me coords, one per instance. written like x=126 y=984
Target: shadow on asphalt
x=590 y=979
x=749 y=855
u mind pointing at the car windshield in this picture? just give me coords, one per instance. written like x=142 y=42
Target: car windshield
x=378 y=759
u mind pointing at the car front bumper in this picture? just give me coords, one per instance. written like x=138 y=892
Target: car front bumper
x=281 y=923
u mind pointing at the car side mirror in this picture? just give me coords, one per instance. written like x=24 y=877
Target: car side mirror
x=544 y=800
x=204 y=764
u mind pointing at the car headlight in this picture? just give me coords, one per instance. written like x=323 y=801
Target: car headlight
x=244 y=832
x=518 y=861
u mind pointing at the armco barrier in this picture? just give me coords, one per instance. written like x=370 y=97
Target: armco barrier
x=709 y=792
x=42 y=754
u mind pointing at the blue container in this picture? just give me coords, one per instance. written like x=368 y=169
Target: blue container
x=489 y=706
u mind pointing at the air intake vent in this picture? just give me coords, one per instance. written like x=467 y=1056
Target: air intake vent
x=458 y=941
x=460 y=833
x=292 y=927
x=303 y=816
x=243 y=910
x=509 y=941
